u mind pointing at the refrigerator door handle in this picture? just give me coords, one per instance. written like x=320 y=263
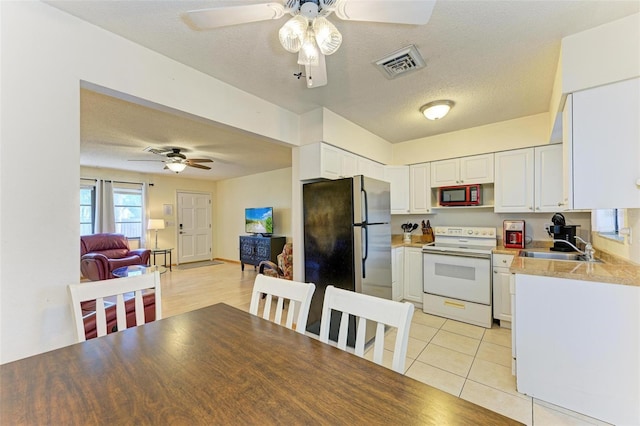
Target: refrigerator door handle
x=366 y=249
x=366 y=206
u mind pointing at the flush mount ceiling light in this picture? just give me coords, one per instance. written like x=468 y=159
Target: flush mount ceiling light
x=437 y=109
x=309 y=33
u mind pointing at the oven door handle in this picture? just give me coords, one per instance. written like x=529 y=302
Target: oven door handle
x=459 y=254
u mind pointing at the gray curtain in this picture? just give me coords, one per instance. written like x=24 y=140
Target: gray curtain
x=105 y=220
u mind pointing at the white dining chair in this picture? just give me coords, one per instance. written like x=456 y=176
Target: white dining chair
x=114 y=289
x=368 y=308
x=297 y=293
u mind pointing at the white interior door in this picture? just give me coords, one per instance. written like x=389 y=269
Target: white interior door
x=194 y=227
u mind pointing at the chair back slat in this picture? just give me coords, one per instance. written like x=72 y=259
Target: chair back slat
x=368 y=308
x=115 y=288
x=297 y=293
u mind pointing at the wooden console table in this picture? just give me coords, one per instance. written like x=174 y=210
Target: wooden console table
x=254 y=249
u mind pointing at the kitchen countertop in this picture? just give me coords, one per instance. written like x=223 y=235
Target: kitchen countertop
x=612 y=270
x=397 y=241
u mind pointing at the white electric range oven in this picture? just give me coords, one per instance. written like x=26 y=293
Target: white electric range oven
x=457 y=274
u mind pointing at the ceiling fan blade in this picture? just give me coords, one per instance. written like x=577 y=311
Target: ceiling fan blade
x=198 y=166
x=156 y=151
x=316 y=76
x=199 y=160
x=225 y=16
x=414 y=12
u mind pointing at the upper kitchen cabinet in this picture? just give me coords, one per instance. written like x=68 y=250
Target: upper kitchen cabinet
x=321 y=160
x=419 y=189
x=462 y=171
x=603 y=134
x=398 y=178
x=529 y=180
x=370 y=168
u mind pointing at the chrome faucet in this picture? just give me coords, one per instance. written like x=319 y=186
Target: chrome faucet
x=589 y=252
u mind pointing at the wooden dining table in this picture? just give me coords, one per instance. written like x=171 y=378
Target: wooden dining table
x=219 y=365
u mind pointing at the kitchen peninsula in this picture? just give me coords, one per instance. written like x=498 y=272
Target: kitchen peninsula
x=576 y=335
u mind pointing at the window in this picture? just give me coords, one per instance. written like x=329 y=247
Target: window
x=128 y=209
x=87 y=209
x=609 y=222
x=127 y=205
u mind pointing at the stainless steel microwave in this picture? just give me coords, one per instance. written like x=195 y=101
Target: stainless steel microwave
x=462 y=195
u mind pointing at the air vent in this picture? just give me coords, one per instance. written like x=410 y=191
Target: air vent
x=400 y=62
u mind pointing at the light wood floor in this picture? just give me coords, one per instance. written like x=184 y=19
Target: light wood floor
x=191 y=289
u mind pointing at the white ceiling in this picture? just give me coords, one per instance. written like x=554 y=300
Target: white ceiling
x=495 y=59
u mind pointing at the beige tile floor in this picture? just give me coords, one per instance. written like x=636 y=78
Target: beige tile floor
x=470 y=362
x=474 y=363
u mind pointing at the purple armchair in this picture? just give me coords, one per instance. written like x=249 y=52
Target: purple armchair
x=102 y=253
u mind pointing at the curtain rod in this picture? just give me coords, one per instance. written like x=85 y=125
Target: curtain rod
x=115 y=181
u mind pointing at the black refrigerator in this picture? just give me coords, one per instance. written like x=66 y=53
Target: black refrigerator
x=347 y=242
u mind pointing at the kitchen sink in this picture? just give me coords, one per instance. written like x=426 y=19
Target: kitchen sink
x=577 y=257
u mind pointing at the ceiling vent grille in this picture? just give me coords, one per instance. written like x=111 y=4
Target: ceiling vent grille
x=400 y=62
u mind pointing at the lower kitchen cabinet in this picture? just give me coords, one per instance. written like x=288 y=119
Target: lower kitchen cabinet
x=577 y=345
x=501 y=293
x=397 y=273
x=413 y=288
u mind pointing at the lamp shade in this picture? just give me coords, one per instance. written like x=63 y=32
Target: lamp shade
x=309 y=52
x=155 y=224
x=437 y=109
x=176 y=167
x=328 y=37
x=292 y=33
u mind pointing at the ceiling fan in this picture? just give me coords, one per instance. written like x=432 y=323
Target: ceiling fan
x=177 y=161
x=308 y=32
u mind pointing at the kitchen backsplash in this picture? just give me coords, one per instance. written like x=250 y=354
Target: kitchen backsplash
x=534 y=222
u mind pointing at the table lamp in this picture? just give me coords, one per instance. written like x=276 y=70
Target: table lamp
x=156 y=224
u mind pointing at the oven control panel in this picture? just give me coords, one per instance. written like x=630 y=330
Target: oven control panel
x=465 y=231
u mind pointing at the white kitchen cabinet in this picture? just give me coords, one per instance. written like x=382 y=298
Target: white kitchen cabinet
x=514 y=181
x=577 y=345
x=348 y=164
x=413 y=274
x=606 y=146
x=398 y=178
x=548 y=193
x=501 y=293
x=462 y=171
x=529 y=180
x=397 y=273
x=321 y=160
x=419 y=188
x=370 y=168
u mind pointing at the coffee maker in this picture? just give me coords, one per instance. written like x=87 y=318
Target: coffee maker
x=561 y=231
x=513 y=233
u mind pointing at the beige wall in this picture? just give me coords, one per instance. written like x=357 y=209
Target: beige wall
x=270 y=189
x=163 y=191
x=512 y=134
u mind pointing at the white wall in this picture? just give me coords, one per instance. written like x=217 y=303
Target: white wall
x=512 y=134
x=270 y=189
x=45 y=56
x=323 y=125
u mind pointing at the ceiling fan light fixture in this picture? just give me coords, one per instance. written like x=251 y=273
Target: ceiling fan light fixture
x=292 y=33
x=328 y=37
x=309 y=52
x=437 y=109
x=176 y=166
